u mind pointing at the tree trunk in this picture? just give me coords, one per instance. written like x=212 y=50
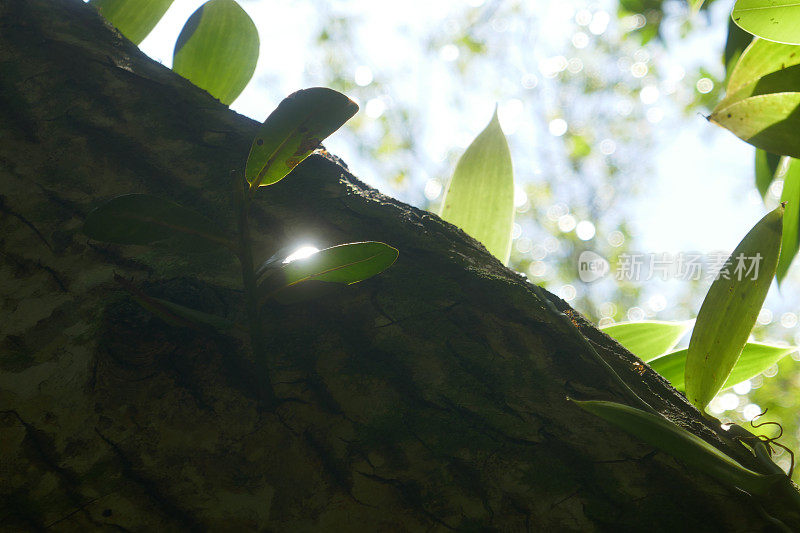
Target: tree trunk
x=431 y=397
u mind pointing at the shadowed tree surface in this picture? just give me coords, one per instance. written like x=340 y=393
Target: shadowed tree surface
x=432 y=397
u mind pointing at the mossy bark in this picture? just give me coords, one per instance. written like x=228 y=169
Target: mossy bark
x=432 y=397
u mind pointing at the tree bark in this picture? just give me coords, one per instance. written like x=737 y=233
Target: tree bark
x=431 y=397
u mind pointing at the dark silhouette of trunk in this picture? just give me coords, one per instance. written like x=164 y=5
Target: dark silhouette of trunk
x=431 y=397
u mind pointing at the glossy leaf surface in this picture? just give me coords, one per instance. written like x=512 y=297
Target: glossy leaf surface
x=344 y=264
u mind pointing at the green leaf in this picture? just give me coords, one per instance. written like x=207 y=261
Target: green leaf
x=755 y=359
x=345 y=264
x=217 y=49
x=735 y=44
x=688 y=448
x=762 y=94
x=775 y=20
x=648 y=339
x=480 y=197
x=144 y=219
x=790 y=170
x=179 y=315
x=294 y=130
x=135 y=19
x=763 y=68
x=730 y=309
x=696 y=5
x=768 y=121
x=766 y=166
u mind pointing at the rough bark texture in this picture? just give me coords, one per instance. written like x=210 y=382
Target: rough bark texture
x=431 y=397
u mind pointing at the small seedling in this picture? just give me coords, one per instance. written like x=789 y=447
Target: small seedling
x=289 y=135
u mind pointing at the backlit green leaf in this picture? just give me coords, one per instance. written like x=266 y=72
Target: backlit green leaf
x=345 y=264
x=688 y=448
x=217 y=49
x=144 y=219
x=755 y=359
x=480 y=197
x=763 y=59
x=735 y=44
x=775 y=20
x=648 y=339
x=294 y=130
x=766 y=166
x=790 y=171
x=730 y=309
x=133 y=18
x=767 y=121
x=696 y=5
x=762 y=94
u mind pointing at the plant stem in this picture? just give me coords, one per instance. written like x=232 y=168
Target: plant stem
x=573 y=330
x=258 y=343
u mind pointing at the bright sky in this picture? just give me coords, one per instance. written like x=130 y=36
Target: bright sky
x=703 y=197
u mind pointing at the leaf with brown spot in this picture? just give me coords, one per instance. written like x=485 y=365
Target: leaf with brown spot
x=762 y=98
x=295 y=129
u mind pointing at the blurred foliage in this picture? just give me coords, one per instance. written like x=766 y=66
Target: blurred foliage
x=593 y=79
